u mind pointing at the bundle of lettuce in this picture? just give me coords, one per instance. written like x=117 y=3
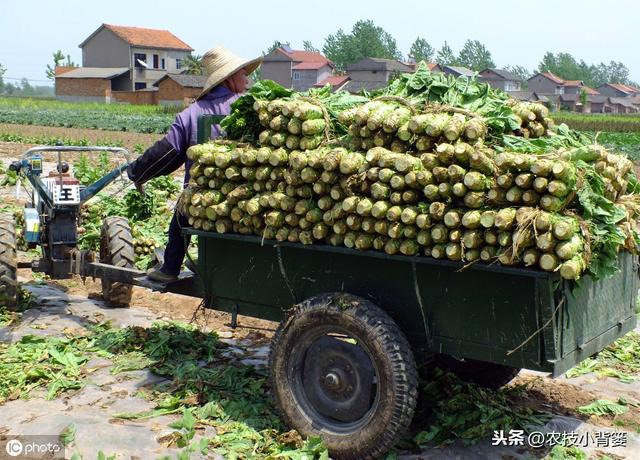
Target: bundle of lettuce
x=429 y=166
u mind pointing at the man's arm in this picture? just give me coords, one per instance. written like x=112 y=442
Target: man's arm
x=158 y=160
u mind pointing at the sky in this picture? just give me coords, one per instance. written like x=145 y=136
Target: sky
x=516 y=33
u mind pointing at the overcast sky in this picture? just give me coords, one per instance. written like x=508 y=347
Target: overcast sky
x=516 y=32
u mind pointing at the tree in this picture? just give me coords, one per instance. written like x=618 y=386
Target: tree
x=58 y=58
x=3 y=69
x=365 y=40
x=519 y=71
x=475 y=56
x=308 y=46
x=192 y=64
x=276 y=44
x=566 y=66
x=445 y=56
x=421 y=50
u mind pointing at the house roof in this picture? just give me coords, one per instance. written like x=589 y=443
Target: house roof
x=311 y=65
x=551 y=76
x=298 y=56
x=333 y=80
x=370 y=63
x=94 y=72
x=460 y=70
x=521 y=95
x=622 y=88
x=148 y=38
x=434 y=65
x=501 y=74
x=623 y=101
x=573 y=83
x=590 y=91
x=185 y=80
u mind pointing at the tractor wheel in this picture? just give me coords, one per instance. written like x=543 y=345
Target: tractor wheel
x=116 y=248
x=343 y=370
x=8 y=264
x=488 y=375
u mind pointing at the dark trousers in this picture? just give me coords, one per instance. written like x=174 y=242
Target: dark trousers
x=175 y=250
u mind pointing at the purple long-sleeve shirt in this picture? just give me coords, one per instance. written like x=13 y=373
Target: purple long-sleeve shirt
x=183 y=133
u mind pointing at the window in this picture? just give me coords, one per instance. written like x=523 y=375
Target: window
x=140 y=60
x=178 y=64
x=296 y=75
x=140 y=85
x=162 y=63
x=155 y=61
x=559 y=90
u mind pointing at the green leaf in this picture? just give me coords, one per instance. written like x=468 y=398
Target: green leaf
x=68 y=435
x=603 y=407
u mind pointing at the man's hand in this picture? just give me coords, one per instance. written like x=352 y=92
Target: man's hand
x=139 y=188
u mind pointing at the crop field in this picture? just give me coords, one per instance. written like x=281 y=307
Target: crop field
x=109 y=117
x=621 y=123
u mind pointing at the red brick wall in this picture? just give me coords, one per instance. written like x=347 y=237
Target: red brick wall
x=135 y=97
x=94 y=87
x=169 y=90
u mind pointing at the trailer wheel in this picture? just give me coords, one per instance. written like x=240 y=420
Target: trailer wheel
x=488 y=375
x=8 y=264
x=116 y=248
x=343 y=370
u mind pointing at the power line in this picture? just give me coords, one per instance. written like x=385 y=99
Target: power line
x=28 y=79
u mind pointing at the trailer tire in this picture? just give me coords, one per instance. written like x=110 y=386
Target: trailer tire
x=369 y=412
x=9 y=288
x=488 y=375
x=116 y=248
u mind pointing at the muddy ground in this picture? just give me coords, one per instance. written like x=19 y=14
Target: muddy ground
x=77 y=303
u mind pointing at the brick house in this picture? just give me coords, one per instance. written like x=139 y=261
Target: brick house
x=501 y=79
x=91 y=84
x=179 y=89
x=618 y=90
x=373 y=73
x=296 y=69
x=148 y=54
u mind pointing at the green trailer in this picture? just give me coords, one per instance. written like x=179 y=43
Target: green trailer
x=353 y=324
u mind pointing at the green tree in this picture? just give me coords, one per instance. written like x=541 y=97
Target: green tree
x=583 y=97
x=3 y=69
x=421 y=50
x=192 y=64
x=58 y=60
x=365 y=40
x=308 y=46
x=276 y=44
x=521 y=72
x=446 y=56
x=475 y=56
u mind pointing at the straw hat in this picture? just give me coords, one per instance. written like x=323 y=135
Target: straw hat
x=219 y=64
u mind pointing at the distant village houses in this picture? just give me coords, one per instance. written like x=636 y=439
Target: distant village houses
x=127 y=64
x=145 y=66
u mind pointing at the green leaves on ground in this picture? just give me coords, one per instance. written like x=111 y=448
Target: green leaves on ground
x=603 y=407
x=471 y=413
x=202 y=385
x=39 y=362
x=560 y=452
x=621 y=360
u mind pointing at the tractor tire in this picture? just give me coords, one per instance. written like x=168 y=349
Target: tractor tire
x=116 y=248
x=488 y=375
x=341 y=369
x=9 y=288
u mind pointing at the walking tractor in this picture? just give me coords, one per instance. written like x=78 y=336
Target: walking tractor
x=353 y=323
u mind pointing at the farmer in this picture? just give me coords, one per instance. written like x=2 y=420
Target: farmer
x=227 y=78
